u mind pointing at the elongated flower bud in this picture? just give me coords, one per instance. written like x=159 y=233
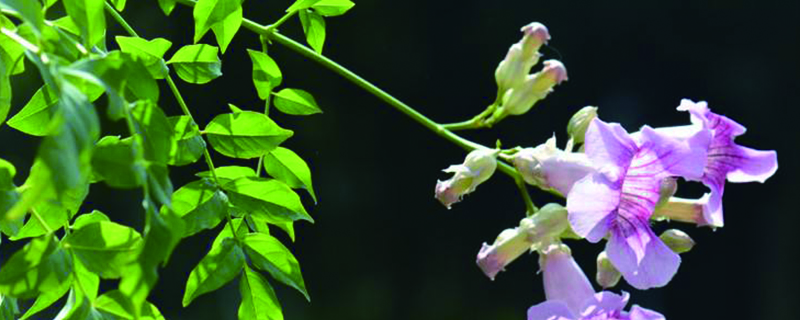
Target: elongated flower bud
x=576 y=128
x=518 y=100
x=548 y=167
x=477 y=168
x=677 y=240
x=521 y=57
x=607 y=275
x=563 y=279
x=534 y=232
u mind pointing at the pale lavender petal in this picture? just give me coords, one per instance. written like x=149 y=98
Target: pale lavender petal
x=661 y=156
x=702 y=115
x=550 y=310
x=563 y=169
x=564 y=280
x=605 y=303
x=753 y=165
x=590 y=204
x=639 y=313
x=608 y=145
x=642 y=258
x=712 y=210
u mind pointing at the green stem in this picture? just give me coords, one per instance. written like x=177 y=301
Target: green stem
x=438 y=129
x=280 y=21
x=124 y=24
x=530 y=208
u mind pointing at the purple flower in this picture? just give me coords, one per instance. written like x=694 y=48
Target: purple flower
x=618 y=200
x=570 y=296
x=602 y=306
x=726 y=159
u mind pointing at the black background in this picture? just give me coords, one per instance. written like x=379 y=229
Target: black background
x=384 y=248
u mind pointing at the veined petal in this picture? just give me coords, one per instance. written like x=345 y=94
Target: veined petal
x=591 y=203
x=609 y=147
x=564 y=280
x=662 y=156
x=604 y=303
x=752 y=165
x=639 y=313
x=642 y=258
x=550 y=310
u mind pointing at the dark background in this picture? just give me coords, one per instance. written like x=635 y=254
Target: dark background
x=384 y=248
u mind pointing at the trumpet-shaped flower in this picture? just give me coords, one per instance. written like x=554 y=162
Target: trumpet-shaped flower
x=570 y=296
x=619 y=198
x=726 y=159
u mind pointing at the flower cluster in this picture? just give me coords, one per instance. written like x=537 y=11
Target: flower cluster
x=616 y=185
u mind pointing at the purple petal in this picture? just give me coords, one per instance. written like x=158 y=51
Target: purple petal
x=608 y=145
x=639 y=313
x=564 y=280
x=753 y=165
x=662 y=156
x=642 y=258
x=712 y=210
x=590 y=204
x=605 y=303
x=550 y=310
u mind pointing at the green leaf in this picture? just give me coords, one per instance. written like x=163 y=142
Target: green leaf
x=215 y=270
x=155 y=129
x=39 y=267
x=30 y=11
x=259 y=301
x=228 y=173
x=301 y=4
x=78 y=307
x=87 y=281
x=268 y=196
x=90 y=18
x=53 y=215
x=198 y=63
x=46 y=299
x=8 y=308
x=122 y=76
x=330 y=8
x=12 y=54
x=10 y=225
x=245 y=135
x=5 y=92
x=68 y=151
x=285 y=165
x=104 y=247
x=162 y=235
x=234 y=108
x=314 y=29
x=210 y=12
x=65 y=23
x=284 y=223
x=226 y=29
x=114 y=162
x=167 y=6
x=296 y=102
x=151 y=53
x=34 y=118
x=201 y=205
x=89 y=218
x=7 y=173
x=187 y=144
x=266 y=74
x=269 y=254
x=225 y=233
x=119 y=4
x=116 y=304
